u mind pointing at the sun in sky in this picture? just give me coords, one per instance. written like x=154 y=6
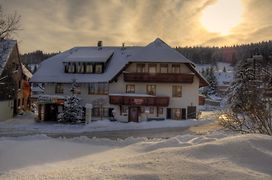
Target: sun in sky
x=222 y=16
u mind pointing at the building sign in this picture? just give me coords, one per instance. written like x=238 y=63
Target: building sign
x=48 y=100
x=138 y=101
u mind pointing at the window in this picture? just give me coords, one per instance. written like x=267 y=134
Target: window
x=80 y=68
x=59 y=89
x=91 y=88
x=152 y=68
x=151 y=110
x=89 y=68
x=71 y=68
x=96 y=112
x=105 y=112
x=175 y=68
x=124 y=109
x=130 y=88
x=176 y=113
x=160 y=110
x=176 y=91
x=98 y=88
x=140 y=68
x=98 y=68
x=142 y=109
x=151 y=89
x=102 y=88
x=66 y=67
x=164 y=68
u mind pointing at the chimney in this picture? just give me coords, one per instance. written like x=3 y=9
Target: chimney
x=99 y=45
x=123 y=46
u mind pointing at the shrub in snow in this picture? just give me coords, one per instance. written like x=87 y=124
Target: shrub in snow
x=250 y=107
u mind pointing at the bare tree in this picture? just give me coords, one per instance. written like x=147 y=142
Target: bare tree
x=9 y=24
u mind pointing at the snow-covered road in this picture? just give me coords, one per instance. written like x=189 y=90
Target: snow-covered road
x=25 y=125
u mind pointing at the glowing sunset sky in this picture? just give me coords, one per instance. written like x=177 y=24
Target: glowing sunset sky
x=57 y=25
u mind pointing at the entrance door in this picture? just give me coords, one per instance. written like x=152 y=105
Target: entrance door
x=168 y=113
x=183 y=113
x=133 y=114
x=191 y=112
x=51 y=112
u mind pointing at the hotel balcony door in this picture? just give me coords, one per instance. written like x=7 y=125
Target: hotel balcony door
x=133 y=114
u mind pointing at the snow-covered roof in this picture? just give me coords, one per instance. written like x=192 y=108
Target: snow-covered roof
x=26 y=72
x=158 y=51
x=83 y=54
x=52 y=69
x=6 y=47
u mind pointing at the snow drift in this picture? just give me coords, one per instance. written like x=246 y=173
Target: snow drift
x=214 y=156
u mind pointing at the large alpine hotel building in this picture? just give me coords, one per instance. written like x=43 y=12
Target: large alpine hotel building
x=122 y=83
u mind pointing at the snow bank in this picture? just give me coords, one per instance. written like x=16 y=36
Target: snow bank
x=213 y=156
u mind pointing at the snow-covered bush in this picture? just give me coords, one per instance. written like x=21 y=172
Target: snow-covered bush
x=72 y=112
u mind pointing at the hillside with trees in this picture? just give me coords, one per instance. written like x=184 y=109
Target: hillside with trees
x=35 y=57
x=211 y=55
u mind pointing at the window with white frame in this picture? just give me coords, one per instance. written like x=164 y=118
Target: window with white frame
x=59 y=88
x=130 y=88
x=151 y=89
x=152 y=68
x=175 y=68
x=163 y=68
x=89 y=68
x=176 y=91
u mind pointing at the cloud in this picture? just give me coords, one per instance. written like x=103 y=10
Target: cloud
x=59 y=25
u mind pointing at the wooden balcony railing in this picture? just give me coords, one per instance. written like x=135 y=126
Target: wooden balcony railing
x=139 y=100
x=159 y=77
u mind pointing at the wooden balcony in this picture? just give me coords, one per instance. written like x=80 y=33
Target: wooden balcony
x=159 y=77
x=139 y=100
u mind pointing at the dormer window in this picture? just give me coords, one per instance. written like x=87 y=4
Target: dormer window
x=83 y=67
x=71 y=68
x=89 y=68
x=98 y=68
x=80 y=67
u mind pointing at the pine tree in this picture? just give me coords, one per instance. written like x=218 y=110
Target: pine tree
x=250 y=109
x=73 y=110
x=211 y=78
x=239 y=92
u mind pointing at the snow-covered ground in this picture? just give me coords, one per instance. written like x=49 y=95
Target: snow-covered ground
x=26 y=124
x=212 y=156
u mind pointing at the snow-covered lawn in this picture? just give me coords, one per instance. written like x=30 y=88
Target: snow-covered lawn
x=26 y=123
x=213 y=156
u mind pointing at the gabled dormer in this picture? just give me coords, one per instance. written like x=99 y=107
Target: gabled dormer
x=87 y=61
